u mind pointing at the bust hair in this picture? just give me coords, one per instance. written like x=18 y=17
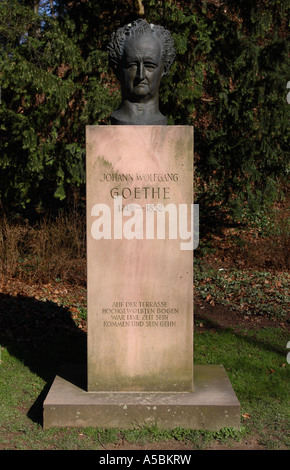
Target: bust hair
x=118 y=39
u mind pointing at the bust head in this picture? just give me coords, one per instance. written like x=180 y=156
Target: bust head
x=140 y=54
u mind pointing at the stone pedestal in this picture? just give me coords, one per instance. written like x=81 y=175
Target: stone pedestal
x=140 y=242
x=213 y=404
x=140 y=270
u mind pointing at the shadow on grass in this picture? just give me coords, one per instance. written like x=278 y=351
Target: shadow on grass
x=43 y=336
x=251 y=339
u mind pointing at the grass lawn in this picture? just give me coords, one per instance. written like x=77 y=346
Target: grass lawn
x=254 y=358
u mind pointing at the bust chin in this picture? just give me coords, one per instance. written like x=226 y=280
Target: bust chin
x=139 y=117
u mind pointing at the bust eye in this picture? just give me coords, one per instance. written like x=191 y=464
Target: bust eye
x=150 y=67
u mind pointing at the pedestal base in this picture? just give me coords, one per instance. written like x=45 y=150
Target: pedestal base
x=213 y=404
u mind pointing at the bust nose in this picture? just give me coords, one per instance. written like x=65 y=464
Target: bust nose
x=141 y=71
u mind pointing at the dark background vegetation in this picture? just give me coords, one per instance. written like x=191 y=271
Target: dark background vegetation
x=229 y=81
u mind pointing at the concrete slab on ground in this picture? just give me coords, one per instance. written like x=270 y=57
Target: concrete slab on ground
x=212 y=405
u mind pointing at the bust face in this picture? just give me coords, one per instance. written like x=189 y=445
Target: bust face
x=141 y=68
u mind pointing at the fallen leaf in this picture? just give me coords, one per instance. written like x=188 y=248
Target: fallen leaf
x=74 y=310
x=246 y=416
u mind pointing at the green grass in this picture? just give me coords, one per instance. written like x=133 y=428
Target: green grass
x=249 y=291
x=255 y=362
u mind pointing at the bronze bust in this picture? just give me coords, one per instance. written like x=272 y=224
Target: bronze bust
x=140 y=54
